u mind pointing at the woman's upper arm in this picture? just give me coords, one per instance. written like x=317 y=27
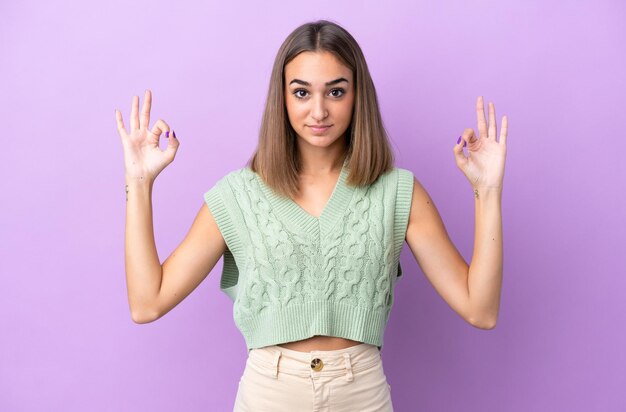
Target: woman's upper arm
x=435 y=253
x=191 y=262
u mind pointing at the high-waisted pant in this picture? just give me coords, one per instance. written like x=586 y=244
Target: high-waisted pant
x=276 y=379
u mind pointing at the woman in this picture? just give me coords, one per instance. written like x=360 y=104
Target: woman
x=311 y=231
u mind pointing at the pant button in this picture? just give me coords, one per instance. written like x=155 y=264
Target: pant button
x=317 y=364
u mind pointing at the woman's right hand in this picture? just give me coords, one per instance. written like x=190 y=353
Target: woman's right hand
x=143 y=159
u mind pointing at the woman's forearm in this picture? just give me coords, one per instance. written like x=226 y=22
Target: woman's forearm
x=143 y=268
x=485 y=271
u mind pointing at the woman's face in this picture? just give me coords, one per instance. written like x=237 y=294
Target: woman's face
x=319 y=90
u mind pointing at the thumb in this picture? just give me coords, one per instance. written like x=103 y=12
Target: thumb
x=459 y=156
x=172 y=145
x=460 y=144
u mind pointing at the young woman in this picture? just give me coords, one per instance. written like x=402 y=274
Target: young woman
x=311 y=231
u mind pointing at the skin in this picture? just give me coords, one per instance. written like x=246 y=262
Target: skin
x=319 y=104
x=472 y=291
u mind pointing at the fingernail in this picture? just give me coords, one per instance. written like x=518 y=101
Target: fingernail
x=174 y=133
x=167 y=134
x=458 y=141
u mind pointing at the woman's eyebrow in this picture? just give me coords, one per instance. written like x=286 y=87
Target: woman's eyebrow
x=330 y=83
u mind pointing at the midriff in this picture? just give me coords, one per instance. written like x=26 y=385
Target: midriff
x=320 y=342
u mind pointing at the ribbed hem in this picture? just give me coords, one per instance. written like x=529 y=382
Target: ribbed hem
x=275 y=325
x=214 y=199
x=403 y=208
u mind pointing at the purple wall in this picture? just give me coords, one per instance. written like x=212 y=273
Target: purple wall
x=555 y=69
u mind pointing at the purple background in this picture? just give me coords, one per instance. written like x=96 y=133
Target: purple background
x=556 y=69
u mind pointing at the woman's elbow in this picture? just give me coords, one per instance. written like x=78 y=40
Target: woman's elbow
x=486 y=324
x=141 y=317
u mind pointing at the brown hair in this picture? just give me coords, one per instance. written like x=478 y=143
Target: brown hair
x=368 y=155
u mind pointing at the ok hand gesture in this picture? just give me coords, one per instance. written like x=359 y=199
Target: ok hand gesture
x=143 y=159
x=484 y=165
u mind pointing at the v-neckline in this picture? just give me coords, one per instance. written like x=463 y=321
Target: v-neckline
x=291 y=212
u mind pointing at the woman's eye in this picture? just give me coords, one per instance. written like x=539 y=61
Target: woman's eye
x=299 y=96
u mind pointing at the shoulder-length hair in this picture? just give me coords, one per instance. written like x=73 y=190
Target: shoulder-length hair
x=368 y=155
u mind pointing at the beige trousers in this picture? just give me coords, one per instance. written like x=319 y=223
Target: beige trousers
x=276 y=379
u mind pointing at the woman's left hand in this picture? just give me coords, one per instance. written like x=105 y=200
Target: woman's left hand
x=484 y=165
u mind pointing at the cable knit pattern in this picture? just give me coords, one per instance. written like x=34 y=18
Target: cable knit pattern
x=292 y=275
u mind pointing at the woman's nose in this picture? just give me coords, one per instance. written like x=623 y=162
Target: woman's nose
x=319 y=110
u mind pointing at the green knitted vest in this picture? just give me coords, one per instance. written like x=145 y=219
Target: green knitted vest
x=292 y=275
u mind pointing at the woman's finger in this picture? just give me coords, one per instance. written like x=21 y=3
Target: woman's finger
x=145 y=111
x=504 y=130
x=492 y=121
x=120 y=123
x=172 y=146
x=480 y=117
x=160 y=127
x=470 y=136
x=459 y=157
x=466 y=137
x=134 y=117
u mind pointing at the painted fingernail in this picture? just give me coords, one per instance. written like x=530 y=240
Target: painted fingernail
x=167 y=134
x=174 y=133
x=458 y=141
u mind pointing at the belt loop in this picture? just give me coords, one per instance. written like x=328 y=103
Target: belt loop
x=346 y=357
x=275 y=364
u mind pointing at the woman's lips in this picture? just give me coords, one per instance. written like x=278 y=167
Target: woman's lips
x=319 y=130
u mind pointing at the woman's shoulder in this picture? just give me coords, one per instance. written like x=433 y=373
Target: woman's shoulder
x=238 y=176
x=403 y=173
x=397 y=181
x=233 y=182
x=396 y=174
